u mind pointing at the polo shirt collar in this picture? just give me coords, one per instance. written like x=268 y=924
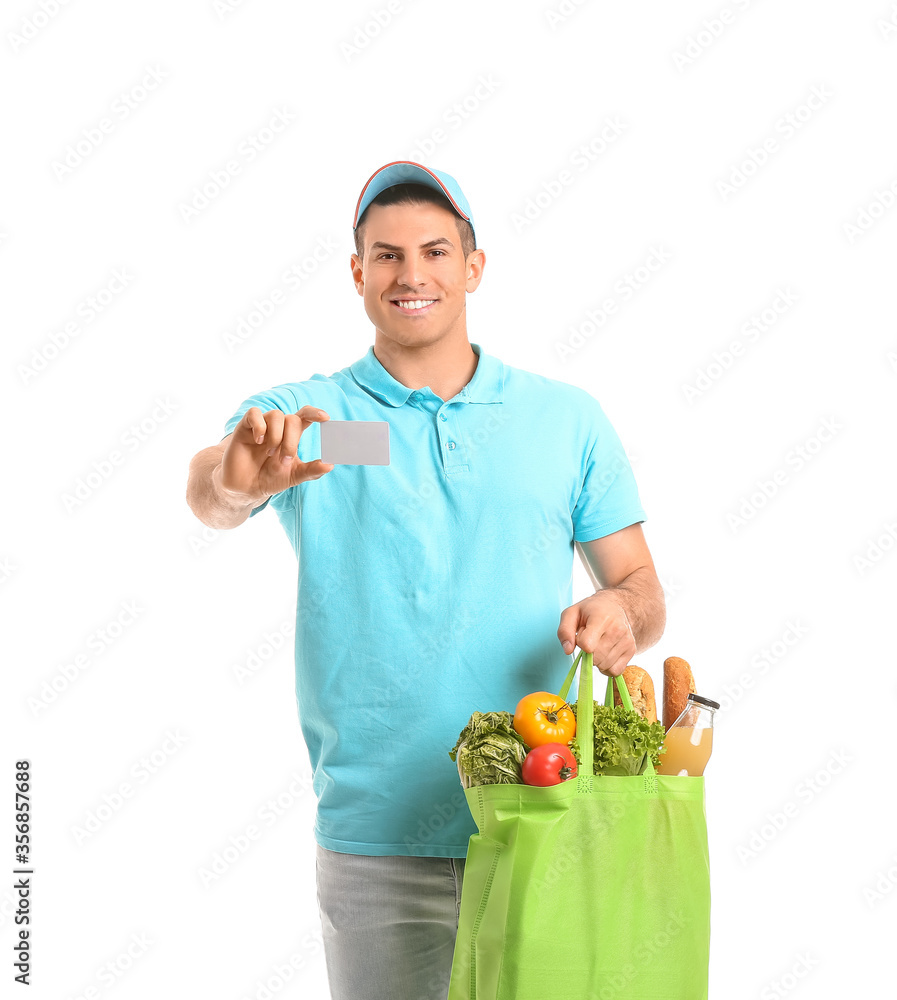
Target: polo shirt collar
x=486 y=386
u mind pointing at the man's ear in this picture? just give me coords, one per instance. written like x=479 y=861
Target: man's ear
x=357 y=273
x=476 y=261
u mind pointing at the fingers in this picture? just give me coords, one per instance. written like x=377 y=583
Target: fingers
x=610 y=640
x=610 y=663
x=614 y=661
x=611 y=656
x=274 y=421
x=279 y=432
x=312 y=413
x=612 y=645
x=276 y=435
x=277 y=429
x=254 y=423
x=293 y=426
x=568 y=627
x=303 y=471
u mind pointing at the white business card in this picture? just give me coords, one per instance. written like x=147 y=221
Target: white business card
x=355 y=442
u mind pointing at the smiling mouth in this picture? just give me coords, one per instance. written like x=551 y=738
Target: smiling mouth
x=414 y=307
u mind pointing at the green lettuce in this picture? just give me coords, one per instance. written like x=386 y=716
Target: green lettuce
x=492 y=750
x=623 y=741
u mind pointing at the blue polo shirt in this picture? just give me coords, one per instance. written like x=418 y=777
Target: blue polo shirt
x=433 y=587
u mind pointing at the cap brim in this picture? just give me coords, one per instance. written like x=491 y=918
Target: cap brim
x=401 y=172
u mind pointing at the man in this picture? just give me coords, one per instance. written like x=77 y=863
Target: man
x=432 y=587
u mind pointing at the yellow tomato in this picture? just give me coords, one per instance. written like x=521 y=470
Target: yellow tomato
x=543 y=717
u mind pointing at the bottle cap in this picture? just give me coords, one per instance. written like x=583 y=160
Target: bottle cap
x=703 y=701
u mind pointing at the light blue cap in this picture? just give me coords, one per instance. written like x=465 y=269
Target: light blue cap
x=407 y=172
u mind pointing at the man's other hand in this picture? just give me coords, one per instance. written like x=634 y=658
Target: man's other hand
x=599 y=625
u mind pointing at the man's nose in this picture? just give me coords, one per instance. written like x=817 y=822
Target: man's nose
x=411 y=272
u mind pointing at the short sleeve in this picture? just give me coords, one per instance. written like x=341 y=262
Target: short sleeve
x=281 y=397
x=608 y=500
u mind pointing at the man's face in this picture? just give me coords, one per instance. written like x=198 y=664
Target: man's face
x=413 y=255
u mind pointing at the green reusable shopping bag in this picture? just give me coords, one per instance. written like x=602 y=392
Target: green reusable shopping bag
x=594 y=889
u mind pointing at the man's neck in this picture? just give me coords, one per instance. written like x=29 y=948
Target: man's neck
x=446 y=367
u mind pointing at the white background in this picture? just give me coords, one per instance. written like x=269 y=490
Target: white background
x=781 y=600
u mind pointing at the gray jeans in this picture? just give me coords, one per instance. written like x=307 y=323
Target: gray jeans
x=389 y=924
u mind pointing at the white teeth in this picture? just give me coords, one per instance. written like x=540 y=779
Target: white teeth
x=417 y=303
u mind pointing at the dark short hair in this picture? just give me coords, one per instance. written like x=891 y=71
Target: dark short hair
x=416 y=194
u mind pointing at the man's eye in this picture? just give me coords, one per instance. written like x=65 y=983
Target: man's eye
x=382 y=255
x=438 y=251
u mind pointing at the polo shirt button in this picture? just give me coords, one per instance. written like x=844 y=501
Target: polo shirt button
x=451 y=446
x=442 y=416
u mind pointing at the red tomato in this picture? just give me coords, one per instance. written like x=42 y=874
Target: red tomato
x=549 y=764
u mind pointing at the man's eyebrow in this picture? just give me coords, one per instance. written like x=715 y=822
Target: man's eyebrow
x=379 y=245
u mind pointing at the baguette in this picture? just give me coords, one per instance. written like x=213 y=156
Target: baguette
x=678 y=683
x=641 y=691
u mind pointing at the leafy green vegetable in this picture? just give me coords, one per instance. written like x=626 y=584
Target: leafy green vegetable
x=623 y=741
x=489 y=751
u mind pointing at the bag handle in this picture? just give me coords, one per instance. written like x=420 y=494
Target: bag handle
x=585 y=713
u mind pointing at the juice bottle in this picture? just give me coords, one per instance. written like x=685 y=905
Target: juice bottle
x=689 y=740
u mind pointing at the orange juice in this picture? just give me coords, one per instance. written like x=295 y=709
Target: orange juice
x=687 y=750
